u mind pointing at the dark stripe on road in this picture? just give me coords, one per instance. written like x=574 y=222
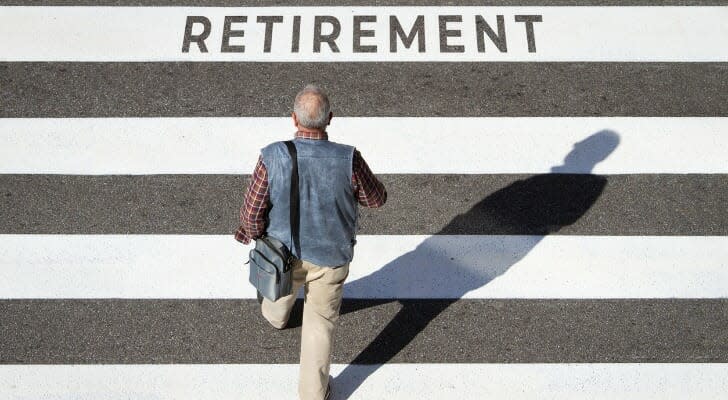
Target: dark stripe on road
x=364 y=89
x=373 y=331
x=418 y=204
x=320 y=3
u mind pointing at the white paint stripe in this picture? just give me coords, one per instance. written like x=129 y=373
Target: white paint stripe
x=414 y=145
x=199 y=266
x=565 y=34
x=396 y=381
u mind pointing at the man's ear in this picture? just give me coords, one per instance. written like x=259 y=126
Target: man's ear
x=295 y=120
x=331 y=115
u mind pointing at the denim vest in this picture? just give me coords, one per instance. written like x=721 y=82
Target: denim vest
x=328 y=206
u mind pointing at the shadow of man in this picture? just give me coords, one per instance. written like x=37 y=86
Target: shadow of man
x=537 y=206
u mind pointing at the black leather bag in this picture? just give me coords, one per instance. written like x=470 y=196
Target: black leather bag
x=271 y=262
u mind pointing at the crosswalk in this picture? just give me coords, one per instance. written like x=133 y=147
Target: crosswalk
x=556 y=225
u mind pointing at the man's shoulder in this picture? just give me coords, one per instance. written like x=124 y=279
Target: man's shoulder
x=273 y=149
x=342 y=146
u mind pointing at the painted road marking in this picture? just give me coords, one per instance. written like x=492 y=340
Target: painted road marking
x=93 y=146
x=321 y=34
x=385 y=266
x=401 y=381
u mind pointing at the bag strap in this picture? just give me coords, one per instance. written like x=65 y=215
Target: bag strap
x=295 y=214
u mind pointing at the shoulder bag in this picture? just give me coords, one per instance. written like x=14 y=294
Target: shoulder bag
x=271 y=262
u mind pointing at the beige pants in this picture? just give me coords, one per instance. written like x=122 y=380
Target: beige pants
x=323 y=289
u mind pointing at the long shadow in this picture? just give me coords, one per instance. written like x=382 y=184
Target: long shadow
x=536 y=206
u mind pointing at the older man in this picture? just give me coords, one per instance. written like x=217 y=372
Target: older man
x=333 y=178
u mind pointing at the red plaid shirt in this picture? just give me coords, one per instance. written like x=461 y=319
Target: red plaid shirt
x=369 y=191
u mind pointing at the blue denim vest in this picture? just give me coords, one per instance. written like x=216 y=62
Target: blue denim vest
x=328 y=206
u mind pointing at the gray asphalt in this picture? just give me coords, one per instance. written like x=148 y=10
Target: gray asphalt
x=270 y=3
x=417 y=204
x=364 y=89
x=466 y=331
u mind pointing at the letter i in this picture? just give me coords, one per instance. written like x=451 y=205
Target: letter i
x=296 y=39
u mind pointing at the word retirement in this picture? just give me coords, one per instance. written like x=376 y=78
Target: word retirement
x=278 y=34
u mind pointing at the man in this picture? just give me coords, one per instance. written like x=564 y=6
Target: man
x=333 y=178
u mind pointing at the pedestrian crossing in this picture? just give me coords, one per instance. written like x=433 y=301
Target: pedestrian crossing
x=556 y=224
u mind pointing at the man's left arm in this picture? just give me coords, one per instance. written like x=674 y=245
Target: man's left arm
x=255 y=206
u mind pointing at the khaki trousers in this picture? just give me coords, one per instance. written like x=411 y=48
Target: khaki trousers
x=323 y=289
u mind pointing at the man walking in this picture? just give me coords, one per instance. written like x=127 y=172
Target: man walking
x=333 y=178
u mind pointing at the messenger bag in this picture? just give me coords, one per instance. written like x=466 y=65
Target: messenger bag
x=271 y=262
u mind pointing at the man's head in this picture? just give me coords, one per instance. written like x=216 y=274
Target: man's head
x=311 y=109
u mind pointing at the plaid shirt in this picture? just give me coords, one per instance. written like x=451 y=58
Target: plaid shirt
x=369 y=192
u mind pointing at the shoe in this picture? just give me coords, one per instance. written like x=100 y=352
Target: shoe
x=260 y=298
x=328 y=392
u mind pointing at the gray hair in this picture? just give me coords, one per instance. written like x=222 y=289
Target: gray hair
x=312 y=107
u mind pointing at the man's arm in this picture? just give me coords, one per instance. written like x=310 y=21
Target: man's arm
x=369 y=191
x=255 y=205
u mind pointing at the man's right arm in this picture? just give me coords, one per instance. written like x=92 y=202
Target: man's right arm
x=369 y=190
x=255 y=206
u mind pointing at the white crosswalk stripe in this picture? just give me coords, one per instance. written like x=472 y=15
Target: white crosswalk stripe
x=386 y=266
x=414 y=381
x=92 y=146
x=451 y=34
